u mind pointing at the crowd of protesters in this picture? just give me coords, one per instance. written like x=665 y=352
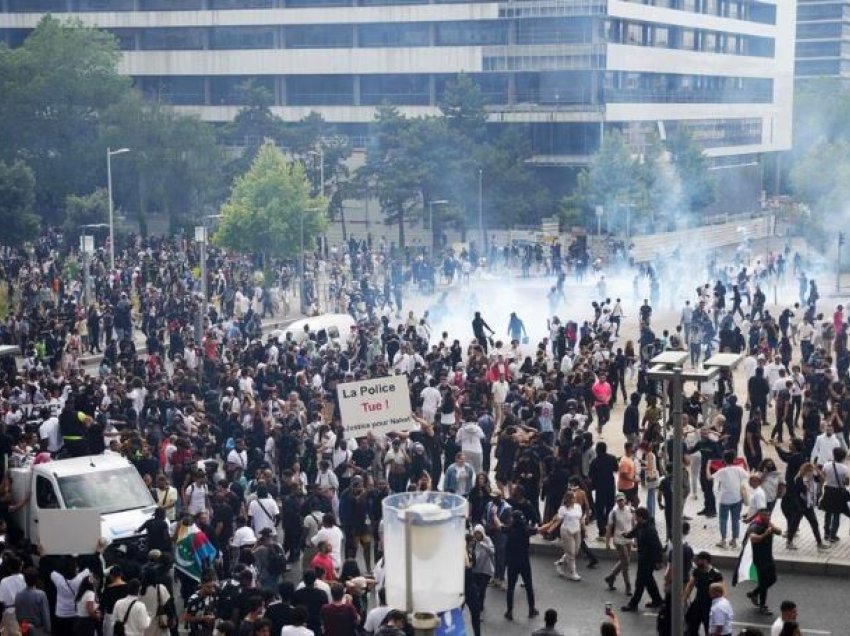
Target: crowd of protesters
x=238 y=434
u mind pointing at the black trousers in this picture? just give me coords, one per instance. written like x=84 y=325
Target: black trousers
x=515 y=571
x=645 y=580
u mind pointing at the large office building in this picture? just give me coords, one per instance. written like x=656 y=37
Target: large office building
x=565 y=70
x=823 y=38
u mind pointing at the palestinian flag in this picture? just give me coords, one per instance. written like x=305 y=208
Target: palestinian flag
x=193 y=552
x=746 y=569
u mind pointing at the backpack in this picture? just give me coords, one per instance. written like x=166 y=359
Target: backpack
x=277 y=562
x=118 y=627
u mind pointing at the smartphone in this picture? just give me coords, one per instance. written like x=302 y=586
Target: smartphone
x=608 y=608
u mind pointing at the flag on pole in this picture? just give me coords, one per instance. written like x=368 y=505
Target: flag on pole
x=193 y=552
x=746 y=569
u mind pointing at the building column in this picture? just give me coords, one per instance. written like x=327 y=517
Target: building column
x=432 y=90
x=281 y=87
x=357 y=90
x=207 y=90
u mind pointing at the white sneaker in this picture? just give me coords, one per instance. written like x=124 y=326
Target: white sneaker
x=560 y=570
x=733 y=543
x=721 y=544
x=574 y=577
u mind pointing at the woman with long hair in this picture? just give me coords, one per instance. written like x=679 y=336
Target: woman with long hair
x=88 y=617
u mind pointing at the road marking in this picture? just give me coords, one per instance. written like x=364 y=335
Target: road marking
x=802 y=631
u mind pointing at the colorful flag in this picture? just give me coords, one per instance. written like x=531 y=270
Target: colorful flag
x=194 y=553
x=746 y=569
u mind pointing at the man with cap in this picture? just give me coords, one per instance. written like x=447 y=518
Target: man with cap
x=702 y=577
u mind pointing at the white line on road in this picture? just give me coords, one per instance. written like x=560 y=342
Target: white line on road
x=802 y=631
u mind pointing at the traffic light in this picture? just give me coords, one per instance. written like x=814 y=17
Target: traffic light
x=841 y=238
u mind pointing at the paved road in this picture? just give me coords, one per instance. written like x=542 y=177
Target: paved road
x=580 y=605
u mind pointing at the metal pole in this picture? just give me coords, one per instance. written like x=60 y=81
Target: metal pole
x=676 y=607
x=111 y=220
x=204 y=297
x=86 y=278
x=481 y=208
x=301 y=264
x=838 y=267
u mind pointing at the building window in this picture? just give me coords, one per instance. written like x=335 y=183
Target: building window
x=556 y=31
x=104 y=5
x=820 y=11
x=320 y=90
x=493 y=86
x=401 y=90
x=242 y=4
x=472 y=33
x=240 y=38
x=14 y=37
x=37 y=6
x=824 y=30
x=235 y=90
x=391 y=35
x=178 y=39
x=171 y=5
x=126 y=38
x=807 y=68
x=320 y=36
x=174 y=89
x=293 y=4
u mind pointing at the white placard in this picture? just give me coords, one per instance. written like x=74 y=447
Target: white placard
x=381 y=405
x=74 y=531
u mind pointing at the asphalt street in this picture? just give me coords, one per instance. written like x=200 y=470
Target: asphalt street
x=821 y=603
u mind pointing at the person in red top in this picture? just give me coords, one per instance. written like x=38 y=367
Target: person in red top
x=339 y=617
x=838 y=318
x=324 y=560
x=602 y=401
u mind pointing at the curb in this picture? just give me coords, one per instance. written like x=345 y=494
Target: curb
x=726 y=561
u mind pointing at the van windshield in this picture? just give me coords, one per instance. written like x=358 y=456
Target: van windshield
x=108 y=491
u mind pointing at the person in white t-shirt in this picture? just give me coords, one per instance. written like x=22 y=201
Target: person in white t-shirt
x=263 y=511
x=728 y=482
x=431 y=399
x=758 y=497
x=330 y=533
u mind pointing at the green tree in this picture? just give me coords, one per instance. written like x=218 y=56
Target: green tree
x=612 y=179
x=267 y=206
x=54 y=91
x=17 y=199
x=88 y=209
x=463 y=108
x=698 y=187
x=175 y=167
x=250 y=128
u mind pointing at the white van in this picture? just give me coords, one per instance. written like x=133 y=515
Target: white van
x=106 y=482
x=336 y=326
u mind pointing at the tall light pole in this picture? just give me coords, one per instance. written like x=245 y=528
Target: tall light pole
x=667 y=367
x=202 y=236
x=301 y=266
x=109 y=155
x=431 y=204
x=481 y=208
x=87 y=249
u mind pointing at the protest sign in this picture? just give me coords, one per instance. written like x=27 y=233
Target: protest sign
x=380 y=405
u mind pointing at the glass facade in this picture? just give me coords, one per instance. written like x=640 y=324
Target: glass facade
x=668 y=88
x=320 y=90
x=397 y=89
x=320 y=36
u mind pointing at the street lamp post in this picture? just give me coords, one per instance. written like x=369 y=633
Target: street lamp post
x=202 y=236
x=109 y=155
x=667 y=366
x=87 y=249
x=301 y=265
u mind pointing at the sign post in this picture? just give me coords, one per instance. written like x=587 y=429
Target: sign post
x=379 y=405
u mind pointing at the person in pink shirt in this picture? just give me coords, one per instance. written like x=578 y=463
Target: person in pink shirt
x=602 y=400
x=838 y=318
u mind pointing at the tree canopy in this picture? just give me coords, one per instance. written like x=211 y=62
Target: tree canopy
x=267 y=206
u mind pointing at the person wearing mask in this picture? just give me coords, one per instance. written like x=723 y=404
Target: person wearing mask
x=703 y=576
x=650 y=554
x=31 y=605
x=131 y=612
